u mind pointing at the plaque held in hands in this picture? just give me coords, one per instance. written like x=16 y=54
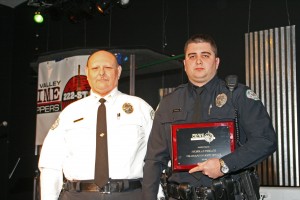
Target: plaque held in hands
x=197 y=142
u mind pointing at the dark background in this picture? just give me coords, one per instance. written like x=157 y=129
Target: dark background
x=163 y=26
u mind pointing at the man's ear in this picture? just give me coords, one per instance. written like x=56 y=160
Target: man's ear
x=217 y=62
x=119 y=71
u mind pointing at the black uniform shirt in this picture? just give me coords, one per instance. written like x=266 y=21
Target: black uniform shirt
x=256 y=131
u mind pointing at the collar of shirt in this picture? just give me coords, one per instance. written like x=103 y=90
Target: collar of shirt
x=111 y=97
x=207 y=87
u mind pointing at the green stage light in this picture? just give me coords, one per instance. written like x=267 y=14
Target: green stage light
x=38 y=18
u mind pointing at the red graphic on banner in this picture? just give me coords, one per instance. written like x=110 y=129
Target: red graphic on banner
x=76 y=88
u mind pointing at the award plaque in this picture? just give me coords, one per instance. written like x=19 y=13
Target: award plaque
x=197 y=142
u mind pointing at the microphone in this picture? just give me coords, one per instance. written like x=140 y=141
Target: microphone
x=231 y=82
x=4 y=123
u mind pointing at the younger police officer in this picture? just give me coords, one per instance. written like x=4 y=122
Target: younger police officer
x=70 y=146
x=256 y=133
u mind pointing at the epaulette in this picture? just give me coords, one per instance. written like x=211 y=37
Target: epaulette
x=180 y=86
x=177 y=88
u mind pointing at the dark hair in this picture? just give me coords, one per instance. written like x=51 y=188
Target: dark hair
x=198 y=38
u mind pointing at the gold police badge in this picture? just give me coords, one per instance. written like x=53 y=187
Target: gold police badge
x=127 y=108
x=221 y=99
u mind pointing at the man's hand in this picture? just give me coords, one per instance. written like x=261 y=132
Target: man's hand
x=210 y=168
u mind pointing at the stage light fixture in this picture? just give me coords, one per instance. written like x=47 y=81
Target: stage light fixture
x=80 y=10
x=76 y=10
x=38 y=17
x=123 y=3
x=103 y=6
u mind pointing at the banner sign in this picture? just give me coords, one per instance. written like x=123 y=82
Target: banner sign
x=59 y=84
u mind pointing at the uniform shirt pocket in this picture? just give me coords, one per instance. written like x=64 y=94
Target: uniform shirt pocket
x=223 y=113
x=80 y=137
x=129 y=129
x=173 y=117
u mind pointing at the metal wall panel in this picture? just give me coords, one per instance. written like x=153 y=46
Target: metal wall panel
x=271 y=72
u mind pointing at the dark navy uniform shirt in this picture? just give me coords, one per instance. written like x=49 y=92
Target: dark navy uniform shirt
x=257 y=134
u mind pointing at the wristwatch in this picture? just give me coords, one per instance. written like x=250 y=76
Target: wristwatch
x=224 y=168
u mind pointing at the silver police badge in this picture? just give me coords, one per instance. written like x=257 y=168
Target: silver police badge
x=221 y=99
x=55 y=124
x=128 y=108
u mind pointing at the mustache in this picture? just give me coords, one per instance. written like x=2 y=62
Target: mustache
x=102 y=77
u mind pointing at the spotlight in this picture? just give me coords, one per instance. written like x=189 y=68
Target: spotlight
x=103 y=6
x=38 y=18
x=123 y=3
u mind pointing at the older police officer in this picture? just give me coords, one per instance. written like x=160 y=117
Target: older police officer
x=69 y=148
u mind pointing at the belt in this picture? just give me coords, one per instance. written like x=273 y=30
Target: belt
x=112 y=186
x=185 y=191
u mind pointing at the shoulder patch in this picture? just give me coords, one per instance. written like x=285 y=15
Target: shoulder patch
x=251 y=95
x=152 y=113
x=55 y=124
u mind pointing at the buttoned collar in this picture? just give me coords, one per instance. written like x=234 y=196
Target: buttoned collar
x=208 y=86
x=109 y=98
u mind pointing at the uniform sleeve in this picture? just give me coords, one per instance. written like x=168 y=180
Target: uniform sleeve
x=157 y=153
x=53 y=150
x=257 y=133
x=51 y=162
x=51 y=183
x=148 y=114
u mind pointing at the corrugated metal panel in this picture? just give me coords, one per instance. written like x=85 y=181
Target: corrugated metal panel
x=271 y=73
